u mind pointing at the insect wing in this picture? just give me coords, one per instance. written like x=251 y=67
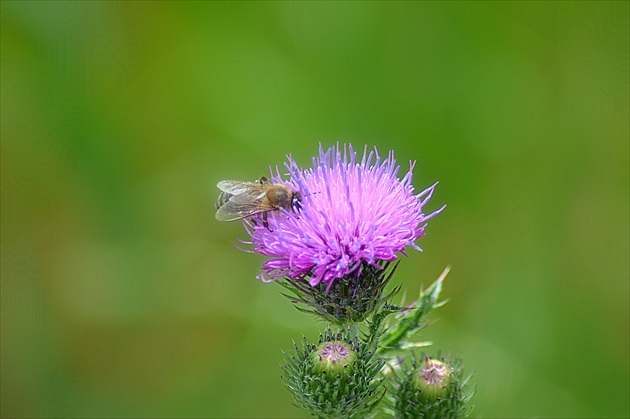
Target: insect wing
x=233 y=210
x=237 y=187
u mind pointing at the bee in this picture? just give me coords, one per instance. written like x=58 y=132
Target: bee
x=241 y=199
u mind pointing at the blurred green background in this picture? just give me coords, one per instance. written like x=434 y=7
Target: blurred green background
x=121 y=294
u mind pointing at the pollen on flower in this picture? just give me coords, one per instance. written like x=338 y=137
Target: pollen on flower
x=354 y=212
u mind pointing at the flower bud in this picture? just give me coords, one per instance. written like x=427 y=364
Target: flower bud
x=335 y=378
x=433 y=389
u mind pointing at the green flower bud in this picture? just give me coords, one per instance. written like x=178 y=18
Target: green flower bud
x=433 y=389
x=335 y=378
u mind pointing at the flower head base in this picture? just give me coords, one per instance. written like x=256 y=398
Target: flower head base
x=347 y=300
x=353 y=214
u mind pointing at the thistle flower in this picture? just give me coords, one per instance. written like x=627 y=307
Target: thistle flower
x=354 y=214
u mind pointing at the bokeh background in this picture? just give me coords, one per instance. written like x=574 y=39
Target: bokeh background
x=122 y=296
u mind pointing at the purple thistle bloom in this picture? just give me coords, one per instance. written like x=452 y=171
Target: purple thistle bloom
x=352 y=213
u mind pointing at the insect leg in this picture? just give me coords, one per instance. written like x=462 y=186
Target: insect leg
x=265 y=222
